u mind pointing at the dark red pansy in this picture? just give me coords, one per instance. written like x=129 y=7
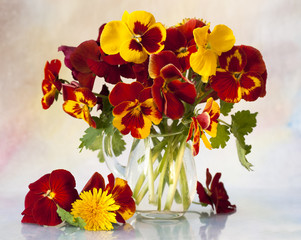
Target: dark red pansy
x=56 y=188
x=215 y=194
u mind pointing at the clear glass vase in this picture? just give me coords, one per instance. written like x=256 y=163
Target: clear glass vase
x=161 y=173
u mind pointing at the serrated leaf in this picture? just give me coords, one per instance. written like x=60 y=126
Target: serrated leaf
x=243 y=123
x=118 y=143
x=91 y=139
x=225 y=107
x=242 y=156
x=69 y=218
x=222 y=137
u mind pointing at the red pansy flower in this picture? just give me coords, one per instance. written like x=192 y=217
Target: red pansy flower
x=56 y=188
x=168 y=90
x=215 y=194
x=121 y=193
x=78 y=101
x=134 y=109
x=204 y=122
x=242 y=75
x=51 y=85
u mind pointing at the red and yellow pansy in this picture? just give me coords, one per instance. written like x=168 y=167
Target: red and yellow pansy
x=242 y=75
x=135 y=37
x=134 y=109
x=51 y=86
x=78 y=101
x=206 y=122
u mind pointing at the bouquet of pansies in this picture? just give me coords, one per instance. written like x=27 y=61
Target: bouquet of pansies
x=154 y=80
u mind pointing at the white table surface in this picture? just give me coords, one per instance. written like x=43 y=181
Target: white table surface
x=261 y=214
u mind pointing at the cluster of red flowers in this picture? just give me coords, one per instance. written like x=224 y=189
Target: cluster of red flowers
x=171 y=68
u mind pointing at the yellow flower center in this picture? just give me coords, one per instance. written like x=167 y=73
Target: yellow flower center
x=96 y=208
x=49 y=194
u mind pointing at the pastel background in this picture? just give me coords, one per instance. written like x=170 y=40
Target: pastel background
x=34 y=141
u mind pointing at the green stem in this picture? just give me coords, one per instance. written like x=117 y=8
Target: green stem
x=178 y=165
x=162 y=176
x=184 y=188
x=222 y=121
x=150 y=172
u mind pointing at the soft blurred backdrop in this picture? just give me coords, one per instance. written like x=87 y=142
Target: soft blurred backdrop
x=34 y=141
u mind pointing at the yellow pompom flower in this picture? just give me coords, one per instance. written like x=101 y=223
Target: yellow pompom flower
x=96 y=208
x=210 y=46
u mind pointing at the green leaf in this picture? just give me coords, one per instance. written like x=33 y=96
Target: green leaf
x=225 y=107
x=243 y=123
x=118 y=143
x=241 y=151
x=92 y=139
x=222 y=137
x=69 y=218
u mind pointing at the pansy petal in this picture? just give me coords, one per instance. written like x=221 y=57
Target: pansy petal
x=234 y=60
x=67 y=50
x=226 y=86
x=255 y=61
x=212 y=129
x=133 y=51
x=73 y=108
x=173 y=107
x=201 y=36
x=150 y=110
x=122 y=195
x=125 y=92
x=49 y=96
x=84 y=95
x=62 y=184
x=204 y=120
x=208 y=178
x=86 y=50
x=140 y=126
x=138 y=21
x=183 y=90
x=158 y=61
x=221 y=39
x=113 y=35
x=153 y=38
x=206 y=141
x=204 y=63
x=40 y=186
x=44 y=212
x=156 y=93
x=54 y=67
x=250 y=86
x=203 y=196
x=96 y=181
x=196 y=137
x=170 y=72
x=175 y=39
x=87 y=117
x=68 y=92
